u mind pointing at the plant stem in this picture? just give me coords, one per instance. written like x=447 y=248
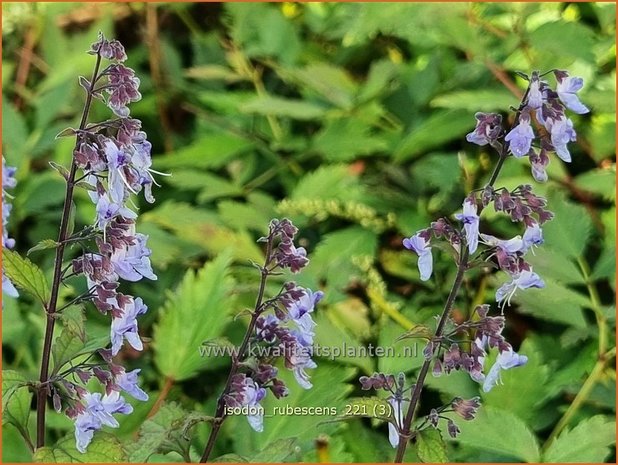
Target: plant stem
x=404 y=434
x=418 y=387
x=57 y=278
x=236 y=361
x=582 y=395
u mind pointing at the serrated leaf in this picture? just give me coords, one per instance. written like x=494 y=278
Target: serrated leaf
x=67 y=347
x=430 y=446
x=196 y=312
x=25 y=275
x=489 y=429
x=166 y=431
x=43 y=245
x=328 y=182
x=569 y=231
x=589 y=441
x=103 y=448
x=16 y=399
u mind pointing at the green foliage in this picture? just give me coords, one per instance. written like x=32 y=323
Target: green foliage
x=103 y=448
x=25 y=275
x=350 y=119
x=589 y=441
x=196 y=312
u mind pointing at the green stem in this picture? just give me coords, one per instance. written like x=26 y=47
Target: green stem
x=582 y=395
x=596 y=304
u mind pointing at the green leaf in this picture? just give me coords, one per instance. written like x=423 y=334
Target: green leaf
x=73 y=319
x=569 y=231
x=487 y=100
x=165 y=432
x=601 y=182
x=277 y=106
x=196 y=312
x=328 y=182
x=16 y=399
x=430 y=446
x=277 y=452
x=67 y=347
x=565 y=39
x=499 y=431
x=103 y=448
x=590 y=441
x=439 y=128
x=43 y=245
x=25 y=275
x=345 y=139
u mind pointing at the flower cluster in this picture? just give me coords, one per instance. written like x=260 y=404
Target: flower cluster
x=545 y=106
x=285 y=332
x=8 y=182
x=465 y=346
x=115 y=158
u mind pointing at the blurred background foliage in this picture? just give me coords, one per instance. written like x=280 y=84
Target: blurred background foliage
x=350 y=120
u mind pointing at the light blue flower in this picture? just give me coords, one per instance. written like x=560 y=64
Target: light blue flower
x=533 y=237
x=132 y=262
x=520 y=138
x=471 y=224
x=524 y=280
x=421 y=247
x=125 y=326
x=96 y=413
x=128 y=383
x=505 y=360
x=567 y=93
x=398 y=412
x=562 y=133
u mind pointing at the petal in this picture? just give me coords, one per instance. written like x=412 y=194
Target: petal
x=425 y=265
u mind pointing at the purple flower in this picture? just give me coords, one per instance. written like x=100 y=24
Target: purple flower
x=128 y=383
x=245 y=392
x=535 y=96
x=509 y=246
x=96 y=413
x=505 y=360
x=562 y=133
x=520 y=138
x=132 y=262
x=533 y=236
x=108 y=209
x=471 y=224
x=8 y=181
x=488 y=128
x=125 y=326
x=421 y=247
x=567 y=91
x=523 y=280
x=298 y=359
x=538 y=164
x=122 y=87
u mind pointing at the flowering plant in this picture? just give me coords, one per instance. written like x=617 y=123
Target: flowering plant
x=466 y=345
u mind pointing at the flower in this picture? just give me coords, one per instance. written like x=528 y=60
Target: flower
x=520 y=138
x=8 y=181
x=245 y=392
x=128 y=383
x=505 y=360
x=567 y=91
x=523 y=280
x=488 y=128
x=533 y=237
x=125 y=326
x=418 y=244
x=132 y=262
x=535 y=96
x=96 y=413
x=471 y=224
x=562 y=133
x=466 y=409
x=398 y=406
x=538 y=163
